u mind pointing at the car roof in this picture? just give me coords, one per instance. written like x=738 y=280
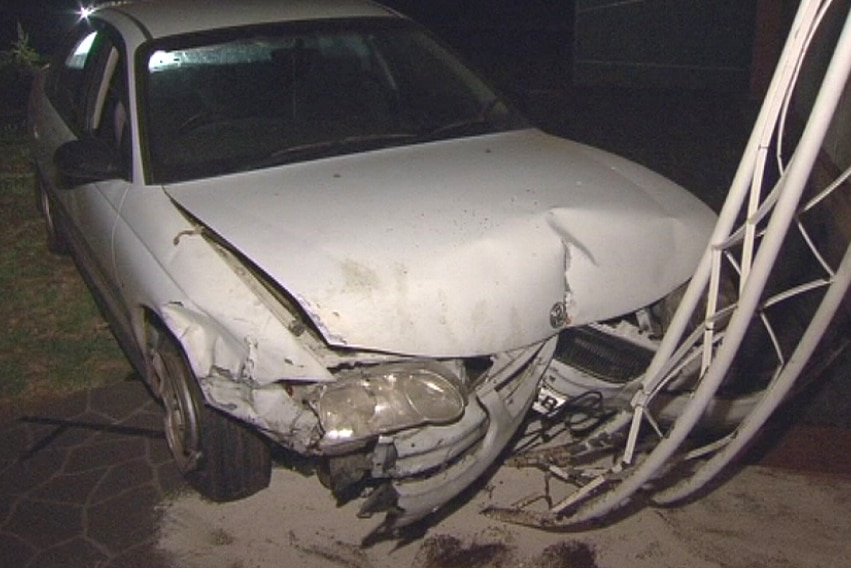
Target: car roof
x=161 y=18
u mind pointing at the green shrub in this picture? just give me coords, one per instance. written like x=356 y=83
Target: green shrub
x=22 y=56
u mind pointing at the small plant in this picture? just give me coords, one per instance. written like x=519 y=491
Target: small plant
x=22 y=55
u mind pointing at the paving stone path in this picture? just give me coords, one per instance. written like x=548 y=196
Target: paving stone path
x=81 y=480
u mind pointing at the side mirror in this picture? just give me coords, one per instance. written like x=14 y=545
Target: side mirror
x=88 y=160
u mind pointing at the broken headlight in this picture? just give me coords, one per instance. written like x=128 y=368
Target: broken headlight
x=387 y=398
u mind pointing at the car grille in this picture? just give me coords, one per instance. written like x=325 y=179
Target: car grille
x=602 y=355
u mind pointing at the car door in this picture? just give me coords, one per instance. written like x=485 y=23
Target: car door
x=87 y=89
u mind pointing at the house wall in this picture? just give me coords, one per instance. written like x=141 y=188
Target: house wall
x=704 y=44
x=837 y=145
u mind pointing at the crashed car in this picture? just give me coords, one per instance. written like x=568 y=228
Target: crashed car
x=310 y=226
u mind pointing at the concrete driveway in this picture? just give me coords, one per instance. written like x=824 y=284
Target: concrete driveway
x=762 y=517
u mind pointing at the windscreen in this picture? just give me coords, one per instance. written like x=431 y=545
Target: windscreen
x=244 y=99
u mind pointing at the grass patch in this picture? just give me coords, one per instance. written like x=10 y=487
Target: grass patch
x=55 y=341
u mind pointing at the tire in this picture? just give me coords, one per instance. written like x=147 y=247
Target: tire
x=56 y=242
x=220 y=457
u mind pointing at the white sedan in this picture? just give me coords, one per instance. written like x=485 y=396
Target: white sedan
x=311 y=226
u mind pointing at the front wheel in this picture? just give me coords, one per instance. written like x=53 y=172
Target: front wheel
x=221 y=458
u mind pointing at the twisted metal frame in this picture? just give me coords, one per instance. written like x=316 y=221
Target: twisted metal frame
x=748 y=239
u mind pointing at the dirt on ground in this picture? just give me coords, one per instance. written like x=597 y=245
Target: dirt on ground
x=760 y=518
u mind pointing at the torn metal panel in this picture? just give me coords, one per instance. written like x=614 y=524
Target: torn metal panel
x=424 y=449
x=269 y=407
x=208 y=345
x=270 y=354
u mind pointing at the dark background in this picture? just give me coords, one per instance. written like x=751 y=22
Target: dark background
x=505 y=36
x=526 y=46
x=45 y=21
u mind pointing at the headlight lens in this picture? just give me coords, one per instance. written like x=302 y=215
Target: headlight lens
x=389 y=398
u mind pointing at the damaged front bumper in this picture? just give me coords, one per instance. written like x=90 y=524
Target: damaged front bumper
x=407 y=435
x=424 y=478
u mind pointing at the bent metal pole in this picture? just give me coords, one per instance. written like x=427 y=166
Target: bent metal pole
x=793 y=183
x=823 y=111
x=743 y=183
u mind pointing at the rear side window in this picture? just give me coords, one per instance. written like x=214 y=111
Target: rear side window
x=67 y=80
x=77 y=58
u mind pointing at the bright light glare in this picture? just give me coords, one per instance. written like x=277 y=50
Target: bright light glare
x=85 y=12
x=161 y=60
x=85 y=45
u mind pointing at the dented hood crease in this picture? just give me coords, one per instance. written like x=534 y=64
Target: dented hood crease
x=459 y=247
